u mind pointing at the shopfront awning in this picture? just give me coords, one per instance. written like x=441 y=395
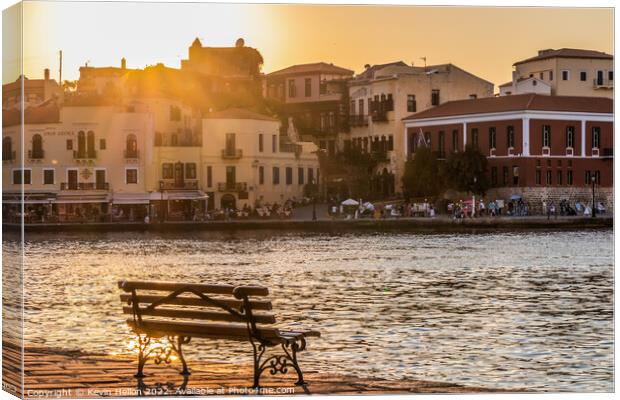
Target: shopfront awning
x=131 y=198
x=29 y=198
x=84 y=198
x=185 y=195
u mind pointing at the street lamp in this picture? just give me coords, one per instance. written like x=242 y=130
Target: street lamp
x=593 y=205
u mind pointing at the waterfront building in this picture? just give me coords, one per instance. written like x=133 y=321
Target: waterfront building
x=77 y=163
x=563 y=72
x=382 y=95
x=538 y=147
x=36 y=92
x=314 y=98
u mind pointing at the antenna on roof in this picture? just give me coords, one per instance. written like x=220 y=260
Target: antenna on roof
x=424 y=58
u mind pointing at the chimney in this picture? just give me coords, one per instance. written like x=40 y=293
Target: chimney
x=46 y=74
x=515 y=77
x=123 y=63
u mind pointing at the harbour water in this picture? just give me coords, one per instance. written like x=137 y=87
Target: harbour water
x=524 y=310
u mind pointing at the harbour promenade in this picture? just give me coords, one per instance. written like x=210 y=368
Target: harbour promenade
x=56 y=373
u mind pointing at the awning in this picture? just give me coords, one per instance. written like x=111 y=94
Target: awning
x=130 y=198
x=85 y=198
x=185 y=195
x=29 y=198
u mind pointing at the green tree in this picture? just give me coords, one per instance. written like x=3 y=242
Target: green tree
x=423 y=177
x=352 y=167
x=467 y=171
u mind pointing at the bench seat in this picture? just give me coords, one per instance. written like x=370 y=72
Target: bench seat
x=230 y=331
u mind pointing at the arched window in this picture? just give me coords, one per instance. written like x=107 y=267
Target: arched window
x=174 y=140
x=81 y=144
x=37 y=147
x=131 y=146
x=90 y=143
x=7 y=148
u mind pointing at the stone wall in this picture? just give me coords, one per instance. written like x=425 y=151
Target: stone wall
x=535 y=196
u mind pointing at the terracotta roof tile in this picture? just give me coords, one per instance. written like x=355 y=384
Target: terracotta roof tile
x=517 y=103
x=320 y=67
x=567 y=53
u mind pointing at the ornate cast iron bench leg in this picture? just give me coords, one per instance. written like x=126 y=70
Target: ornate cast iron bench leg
x=278 y=363
x=161 y=354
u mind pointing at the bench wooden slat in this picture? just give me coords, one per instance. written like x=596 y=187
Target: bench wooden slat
x=196 y=301
x=194 y=329
x=194 y=314
x=250 y=290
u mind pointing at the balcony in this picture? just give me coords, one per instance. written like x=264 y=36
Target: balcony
x=358 y=120
x=131 y=154
x=84 y=155
x=178 y=185
x=8 y=155
x=232 y=186
x=378 y=116
x=232 y=154
x=36 y=155
x=603 y=84
x=85 y=186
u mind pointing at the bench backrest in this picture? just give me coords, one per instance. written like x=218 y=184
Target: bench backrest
x=194 y=301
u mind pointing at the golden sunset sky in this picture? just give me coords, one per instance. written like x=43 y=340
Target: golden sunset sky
x=484 y=41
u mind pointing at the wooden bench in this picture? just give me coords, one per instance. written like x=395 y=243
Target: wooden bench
x=182 y=311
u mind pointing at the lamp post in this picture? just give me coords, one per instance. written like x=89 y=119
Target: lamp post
x=593 y=205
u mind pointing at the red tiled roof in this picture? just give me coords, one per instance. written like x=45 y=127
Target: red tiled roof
x=44 y=114
x=238 y=113
x=567 y=53
x=520 y=102
x=319 y=67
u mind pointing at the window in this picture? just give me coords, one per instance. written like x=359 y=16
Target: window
x=48 y=176
x=510 y=136
x=455 y=142
x=427 y=139
x=352 y=108
x=474 y=137
x=274 y=143
x=610 y=75
x=494 y=176
x=37 y=146
x=389 y=104
x=390 y=143
x=361 y=106
x=565 y=75
x=102 y=144
x=550 y=75
x=597 y=177
x=541 y=76
x=515 y=175
x=505 y=175
x=538 y=177
x=308 y=87
x=534 y=83
x=190 y=170
x=131 y=175
x=292 y=91
x=588 y=177
x=90 y=143
x=596 y=137
x=175 y=113
x=435 y=97
x=289 y=175
x=209 y=176
x=261 y=146
x=323 y=87
x=230 y=144
x=570 y=136
x=167 y=171
x=558 y=180
x=276 y=176
x=7 y=148
x=569 y=177
x=599 y=77
x=17 y=176
x=131 y=146
x=300 y=176
x=492 y=138
x=583 y=76
x=311 y=176
x=546 y=135
x=231 y=176
x=441 y=145
x=411 y=104
x=261 y=175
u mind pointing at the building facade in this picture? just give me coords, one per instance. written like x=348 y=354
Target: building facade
x=540 y=147
x=568 y=72
x=312 y=98
x=381 y=96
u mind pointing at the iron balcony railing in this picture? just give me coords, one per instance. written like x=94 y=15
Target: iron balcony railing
x=232 y=153
x=358 y=120
x=178 y=185
x=84 y=155
x=232 y=187
x=131 y=154
x=36 y=155
x=85 y=186
x=603 y=83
